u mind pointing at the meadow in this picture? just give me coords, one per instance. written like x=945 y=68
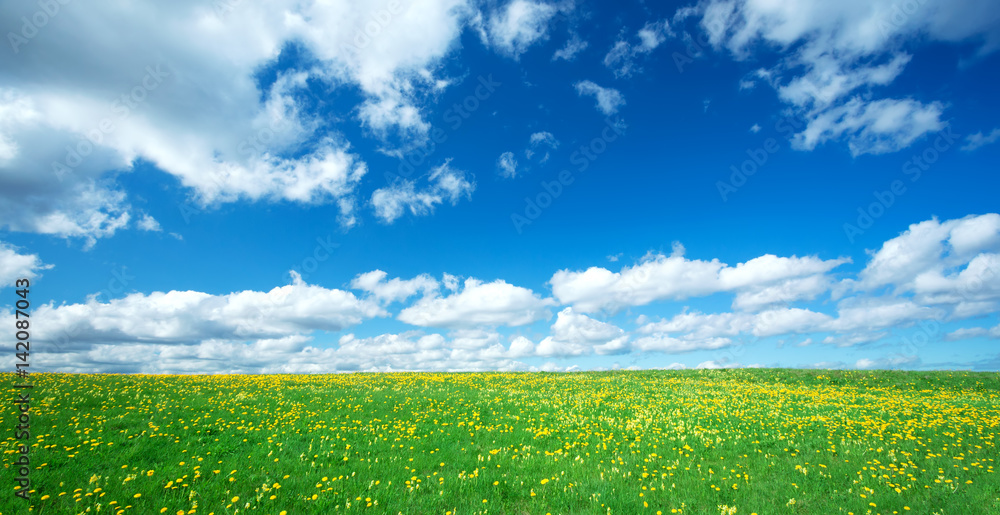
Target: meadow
x=728 y=442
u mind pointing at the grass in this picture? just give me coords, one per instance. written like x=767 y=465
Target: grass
x=711 y=441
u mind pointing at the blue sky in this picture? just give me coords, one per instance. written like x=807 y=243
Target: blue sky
x=450 y=185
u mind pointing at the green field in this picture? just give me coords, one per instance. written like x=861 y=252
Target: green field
x=714 y=441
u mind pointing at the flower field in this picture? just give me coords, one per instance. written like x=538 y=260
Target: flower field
x=709 y=441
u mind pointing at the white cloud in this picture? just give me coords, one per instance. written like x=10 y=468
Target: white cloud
x=974 y=141
x=826 y=81
x=966 y=333
x=942 y=263
x=755 y=128
x=543 y=138
x=395 y=289
x=621 y=58
x=446 y=184
x=186 y=100
x=784 y=292
x=520 y=24
x=871 y=314
x=713 y=364
x=450 y=281
x=479 y=304
x=663 y=277
x=609 y=100
x=651 y=35
x=670 y=345
x=148 y=223
x=933 y=273
x=708 y=327
x=14 y=266
x=507 y=165
x=890 y=362
x=521 y=346
x=574 y=46
x=877 y=127
x=831 y=50
x=190 y=317
x=549 y=346
x=294 y=354
x=858 y=321
x=575 y=334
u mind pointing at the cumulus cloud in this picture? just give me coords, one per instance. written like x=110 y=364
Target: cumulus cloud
x=14 y=265
x=521 y=346
x=446 y=184
x=609 y=100
x=835 y=57
x=478 y=303
x=700 y=331
x=575 y=334
x=408 y=351
x=952 y=263
x=190 y=103
x=395 y=289
x=932 y=273
x=782 y=292
x=660 y=277
x=191 y=317
x=856 y=321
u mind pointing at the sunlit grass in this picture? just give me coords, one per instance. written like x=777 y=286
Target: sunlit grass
x=723 y=441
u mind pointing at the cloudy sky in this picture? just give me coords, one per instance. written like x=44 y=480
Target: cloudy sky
x=228 y=186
